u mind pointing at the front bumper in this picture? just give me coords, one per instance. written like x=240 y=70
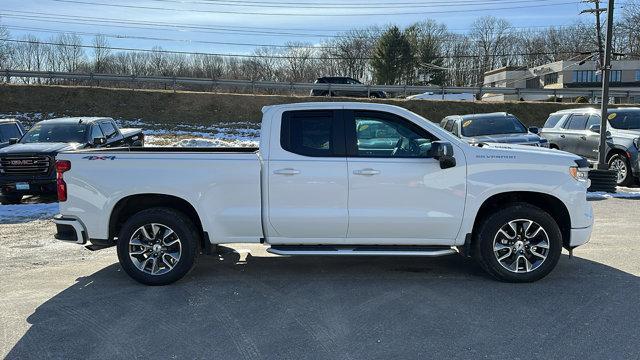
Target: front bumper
x=70 y=230
x=580 y=236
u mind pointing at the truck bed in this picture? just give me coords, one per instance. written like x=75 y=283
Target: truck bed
x=221 y=184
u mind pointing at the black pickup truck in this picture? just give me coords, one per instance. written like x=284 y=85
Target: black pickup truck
x=27 y=165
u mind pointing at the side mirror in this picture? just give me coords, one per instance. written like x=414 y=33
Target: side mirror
x=13 y=141
x=534 y=130
x=595 y=128
x=99 y=141
x=443 y=152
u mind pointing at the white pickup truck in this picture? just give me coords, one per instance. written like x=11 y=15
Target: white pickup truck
x=329 y=179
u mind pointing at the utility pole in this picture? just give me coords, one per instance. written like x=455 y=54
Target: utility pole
x=596 y=11
x=606 y=74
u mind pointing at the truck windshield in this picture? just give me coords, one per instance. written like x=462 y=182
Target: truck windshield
x=625 y=120
x=65 y=133
x=492 y=126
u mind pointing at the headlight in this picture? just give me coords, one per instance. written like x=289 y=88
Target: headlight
x=578 y=174
x=636 y=142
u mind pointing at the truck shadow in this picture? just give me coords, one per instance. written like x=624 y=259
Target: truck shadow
x=318 y=308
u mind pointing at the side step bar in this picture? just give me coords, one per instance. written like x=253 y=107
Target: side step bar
x=361 y=250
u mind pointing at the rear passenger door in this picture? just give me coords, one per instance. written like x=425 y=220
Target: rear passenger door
x=574 y=129
x=307 y=178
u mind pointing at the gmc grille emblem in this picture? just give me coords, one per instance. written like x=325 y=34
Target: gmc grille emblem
x=21 y=162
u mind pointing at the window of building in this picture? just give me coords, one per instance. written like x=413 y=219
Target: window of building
x=637 y=75
x=586 y=76
x=533 y=83
x=616 y=76
x=551 y=78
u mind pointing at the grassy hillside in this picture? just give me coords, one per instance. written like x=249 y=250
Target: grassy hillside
x=167 y=107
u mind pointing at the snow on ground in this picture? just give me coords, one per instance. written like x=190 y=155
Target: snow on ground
x=622 y=193
x=27 y=212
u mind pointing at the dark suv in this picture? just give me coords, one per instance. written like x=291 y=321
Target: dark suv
x=578 y=131
x=492 y=128
x=356 y=91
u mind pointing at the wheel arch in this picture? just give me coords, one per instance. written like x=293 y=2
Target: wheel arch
x=549 y=203
x=132 y=204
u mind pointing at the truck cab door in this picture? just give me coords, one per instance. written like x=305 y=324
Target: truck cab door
x=398 y=193
x=307 y=181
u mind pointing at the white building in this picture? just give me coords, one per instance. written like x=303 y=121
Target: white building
x=625 y=76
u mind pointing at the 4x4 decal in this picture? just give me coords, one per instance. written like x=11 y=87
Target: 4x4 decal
x=93 y=157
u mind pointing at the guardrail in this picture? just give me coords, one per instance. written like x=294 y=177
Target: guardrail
x=294 y=86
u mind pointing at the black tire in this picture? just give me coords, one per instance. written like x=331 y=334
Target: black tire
x=10 y=199
x=488 y=232
x=176 y=221
x=628 y=179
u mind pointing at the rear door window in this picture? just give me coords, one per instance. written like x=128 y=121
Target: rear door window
x=552 y=121
x=577 y=122
x=312 y=133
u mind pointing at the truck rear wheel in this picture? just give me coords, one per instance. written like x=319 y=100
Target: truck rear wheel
x=158 y=246
x=519 y=243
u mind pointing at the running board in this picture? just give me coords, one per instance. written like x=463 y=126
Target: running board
x=361 y=250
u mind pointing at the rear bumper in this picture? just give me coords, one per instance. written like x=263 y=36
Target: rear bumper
x=70 y=230
x=36 y=187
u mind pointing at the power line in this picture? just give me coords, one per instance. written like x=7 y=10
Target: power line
x=142 y=7
x=137 y=37
x=365 y=6
x=189 y=26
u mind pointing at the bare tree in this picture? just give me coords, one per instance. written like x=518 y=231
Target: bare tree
x=101 y=53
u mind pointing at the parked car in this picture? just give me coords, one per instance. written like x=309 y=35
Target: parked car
x=315 y=188
x=10 y=129
x=578 y=131
x=355 y=91
x=492 y=128
x=27 y=167
x=445 y=96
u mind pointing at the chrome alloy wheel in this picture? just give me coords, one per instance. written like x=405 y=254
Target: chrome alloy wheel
x=155 y=249
x=521 y=245
x=620 y=168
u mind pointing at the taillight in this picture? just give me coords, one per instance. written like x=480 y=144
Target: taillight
x=62 y=166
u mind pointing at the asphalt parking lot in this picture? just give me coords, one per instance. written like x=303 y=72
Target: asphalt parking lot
x=62 y=301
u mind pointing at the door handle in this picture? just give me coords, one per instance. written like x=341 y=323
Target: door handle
x=287 y=171
x=562 y=136
x=583 y=137
x=367 y=172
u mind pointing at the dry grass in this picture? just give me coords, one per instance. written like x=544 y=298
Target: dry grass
x=167 y=107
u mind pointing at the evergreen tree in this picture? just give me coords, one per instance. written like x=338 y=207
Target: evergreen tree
x=392 y=58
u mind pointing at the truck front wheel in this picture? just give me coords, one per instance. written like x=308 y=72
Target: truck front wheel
x=519 y=243
x=158 y=246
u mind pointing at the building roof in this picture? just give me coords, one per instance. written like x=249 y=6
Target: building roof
x=505 y=68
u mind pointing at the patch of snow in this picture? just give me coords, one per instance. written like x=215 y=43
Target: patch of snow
x=600 y=195
x=214 y=143
x=27 y=212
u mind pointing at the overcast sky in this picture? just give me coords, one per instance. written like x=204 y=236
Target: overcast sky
x=34 y=16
